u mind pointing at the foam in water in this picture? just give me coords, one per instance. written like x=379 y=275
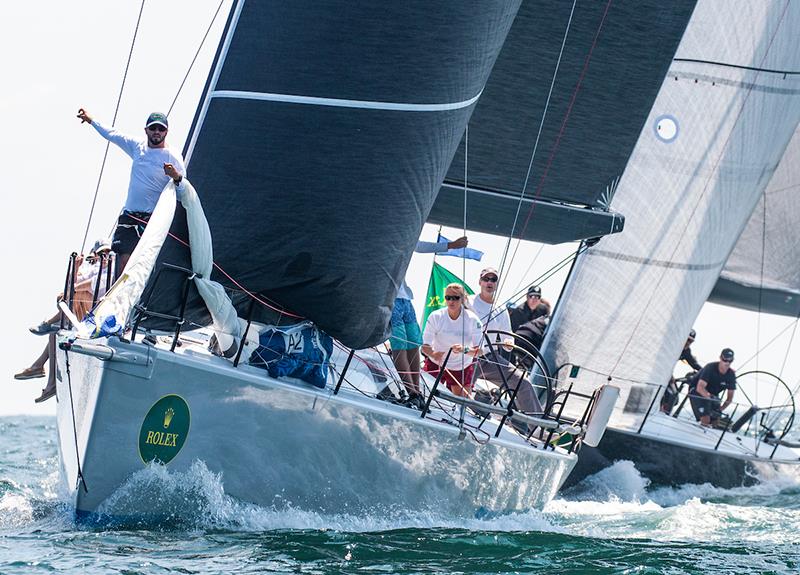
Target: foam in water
x=622 y=481
x=617 y=502
x=196 y=499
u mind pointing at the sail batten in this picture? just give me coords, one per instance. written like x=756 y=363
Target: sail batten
x=339 y=103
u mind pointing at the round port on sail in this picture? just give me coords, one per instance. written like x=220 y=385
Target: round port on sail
x=666 y=128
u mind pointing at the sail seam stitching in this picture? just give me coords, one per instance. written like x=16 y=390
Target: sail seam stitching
x=738 y=66
x=735 y=83
x=344 y=103
x=654 y=262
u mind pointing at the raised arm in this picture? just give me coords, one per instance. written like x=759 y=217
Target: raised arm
x=436 y=247
x=126 y=143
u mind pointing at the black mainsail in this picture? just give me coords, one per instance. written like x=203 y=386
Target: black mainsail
x=614 y=59
x=327 y=129
x=325 y=132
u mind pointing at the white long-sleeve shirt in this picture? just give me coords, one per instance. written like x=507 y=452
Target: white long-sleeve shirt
x=441 y=333
x=422 y=248
x=147 y=172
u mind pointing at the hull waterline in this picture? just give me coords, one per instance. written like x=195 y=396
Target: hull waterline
x=673 y=452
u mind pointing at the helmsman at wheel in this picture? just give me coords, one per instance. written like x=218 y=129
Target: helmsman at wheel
x=704 y=392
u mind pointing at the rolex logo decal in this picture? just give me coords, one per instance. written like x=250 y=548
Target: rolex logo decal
x=164 y=429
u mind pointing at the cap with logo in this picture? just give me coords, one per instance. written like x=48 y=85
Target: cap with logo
x=102 y=244
x=535 y=290
x=727 y=354
x=157 y=118
x=485 y=271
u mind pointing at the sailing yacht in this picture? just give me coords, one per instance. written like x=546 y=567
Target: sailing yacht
x=706 y=162
x=324 y=139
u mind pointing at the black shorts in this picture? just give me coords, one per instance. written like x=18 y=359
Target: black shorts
x=704 y=405
x=130 y=226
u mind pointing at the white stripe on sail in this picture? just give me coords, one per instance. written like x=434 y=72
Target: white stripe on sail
x=339 y=103
x=220 y=62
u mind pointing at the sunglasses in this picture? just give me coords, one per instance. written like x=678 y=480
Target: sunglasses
x=726 y=360
x=534 y=295
x=489 y=279
x=157 y=128
x=452 y=297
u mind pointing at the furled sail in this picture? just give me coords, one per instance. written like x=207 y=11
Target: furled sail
x=763 y=272
x=718 y=128
x=324 y=133
x=614 y=59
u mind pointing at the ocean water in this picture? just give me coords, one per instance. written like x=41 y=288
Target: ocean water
x=611 y=523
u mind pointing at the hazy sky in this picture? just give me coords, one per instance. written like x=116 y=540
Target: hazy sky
x=58 y=56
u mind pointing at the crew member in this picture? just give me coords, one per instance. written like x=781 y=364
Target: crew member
x=153 y=166
x=706 y=386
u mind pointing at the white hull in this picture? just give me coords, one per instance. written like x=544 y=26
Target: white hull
x=283 y=443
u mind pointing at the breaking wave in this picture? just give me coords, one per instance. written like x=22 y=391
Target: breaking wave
x=618 y=502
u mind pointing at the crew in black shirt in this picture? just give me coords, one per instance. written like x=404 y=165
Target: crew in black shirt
x=704 y=392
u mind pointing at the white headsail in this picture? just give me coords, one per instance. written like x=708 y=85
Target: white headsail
x=762 y=272
x=112 y=313
x=717 y=131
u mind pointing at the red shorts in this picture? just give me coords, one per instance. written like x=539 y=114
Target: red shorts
x=452 y=379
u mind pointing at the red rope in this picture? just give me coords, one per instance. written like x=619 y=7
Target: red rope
x=566 y=119
x=233 y=281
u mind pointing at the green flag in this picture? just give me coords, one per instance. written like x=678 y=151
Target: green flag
x=440 y=278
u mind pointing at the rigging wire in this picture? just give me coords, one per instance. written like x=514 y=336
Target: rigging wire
x=535 y=147
x=255 y=296
x=770 y=342
x=523 y=282
x=113 y=121
x=563 y=127
x=761 y=289
x=464 y=304
x=196 y=54
x=557 y=267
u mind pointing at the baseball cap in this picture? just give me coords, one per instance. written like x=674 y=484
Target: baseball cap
x=485 y=271
x=101 y=245
x=727 y=354
x=156 y=118
x=692 y=334
x=535 y=290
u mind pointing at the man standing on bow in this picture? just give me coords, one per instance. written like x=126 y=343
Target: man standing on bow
x=153 y=166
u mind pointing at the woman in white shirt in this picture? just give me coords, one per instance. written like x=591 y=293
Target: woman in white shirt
x=455 y=328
